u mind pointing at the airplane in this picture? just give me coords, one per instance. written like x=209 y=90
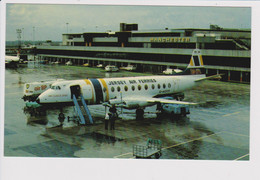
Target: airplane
x=12 y=60
x=129 y=92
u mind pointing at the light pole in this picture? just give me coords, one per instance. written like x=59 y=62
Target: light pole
x=33 y=35
x=19 y=31
x=23 y=36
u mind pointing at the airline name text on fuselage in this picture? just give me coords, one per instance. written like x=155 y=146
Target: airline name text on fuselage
x=122 y=82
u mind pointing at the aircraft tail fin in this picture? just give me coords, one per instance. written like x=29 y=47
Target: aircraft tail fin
x=196 y=65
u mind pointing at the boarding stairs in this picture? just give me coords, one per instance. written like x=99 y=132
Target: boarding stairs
x=239 y=44
x=82 y=111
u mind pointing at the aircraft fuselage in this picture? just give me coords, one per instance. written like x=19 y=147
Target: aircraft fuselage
x=96 y=91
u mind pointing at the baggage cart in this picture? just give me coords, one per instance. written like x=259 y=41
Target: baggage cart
x=153 y=148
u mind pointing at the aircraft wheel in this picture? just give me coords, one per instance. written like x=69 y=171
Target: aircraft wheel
x=157 y=155
x=61 y=117
x=183 y=112
x=173 y=115
x=159 y=115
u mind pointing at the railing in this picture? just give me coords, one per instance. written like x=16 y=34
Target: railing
x=82 y=119
x=87 y=110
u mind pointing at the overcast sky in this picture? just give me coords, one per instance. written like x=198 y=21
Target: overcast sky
x=50 y=20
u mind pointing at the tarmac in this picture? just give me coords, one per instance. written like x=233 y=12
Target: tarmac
x=216 y=129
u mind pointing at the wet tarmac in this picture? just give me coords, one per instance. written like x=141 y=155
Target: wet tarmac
x=216 y=129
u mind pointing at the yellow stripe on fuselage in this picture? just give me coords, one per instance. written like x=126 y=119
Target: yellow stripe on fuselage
x=191 y=62
x=201 y=60
x=105 y=86
x=89 y=83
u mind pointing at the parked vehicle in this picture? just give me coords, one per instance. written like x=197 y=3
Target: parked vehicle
x=175 y=109
x=111 y=68
x=69 y=63
x=86 y=65
x=129 y=68
x=100 y=65
x=171 y=71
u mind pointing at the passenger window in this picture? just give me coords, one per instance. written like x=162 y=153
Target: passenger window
x=133 y=88
x=118 y=89
x=159 y=86
x=112 y=89
x=164 y=86
x=139 y=87
x=146 y=87
x=169 y=85
x=152 y=86
x=126 y=88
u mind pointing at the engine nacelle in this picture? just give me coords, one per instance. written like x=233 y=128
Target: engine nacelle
x=115 y=101
x=136 y=104
x=129 y=104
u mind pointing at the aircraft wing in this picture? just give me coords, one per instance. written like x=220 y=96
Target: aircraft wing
x=137 y=101
x=217 y=76
x=168 y=101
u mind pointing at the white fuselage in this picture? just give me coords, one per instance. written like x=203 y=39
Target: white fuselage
x=96 y=91
x=9 y=59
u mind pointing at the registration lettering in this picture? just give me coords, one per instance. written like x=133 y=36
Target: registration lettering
x=164 y=91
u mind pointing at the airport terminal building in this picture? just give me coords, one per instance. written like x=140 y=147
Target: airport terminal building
x=226 y=51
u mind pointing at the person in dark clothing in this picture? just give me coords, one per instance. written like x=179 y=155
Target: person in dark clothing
x=106 y=124
x=112 y=117
x=107 y=118
x=112 y=109
x=112 y=122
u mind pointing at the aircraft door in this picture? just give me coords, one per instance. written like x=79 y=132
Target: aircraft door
x=75 y=90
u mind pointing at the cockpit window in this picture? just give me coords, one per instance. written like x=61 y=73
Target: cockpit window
x=55 y=87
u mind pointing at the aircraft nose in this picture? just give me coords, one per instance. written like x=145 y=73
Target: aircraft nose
x=38 y=100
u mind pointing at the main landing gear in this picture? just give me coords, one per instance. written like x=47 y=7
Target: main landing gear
x=139 y=114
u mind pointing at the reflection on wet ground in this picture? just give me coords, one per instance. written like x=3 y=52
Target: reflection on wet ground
x=216 y=129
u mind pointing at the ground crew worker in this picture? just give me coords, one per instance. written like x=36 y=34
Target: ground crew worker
x=112 y=117
x=107 y=120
